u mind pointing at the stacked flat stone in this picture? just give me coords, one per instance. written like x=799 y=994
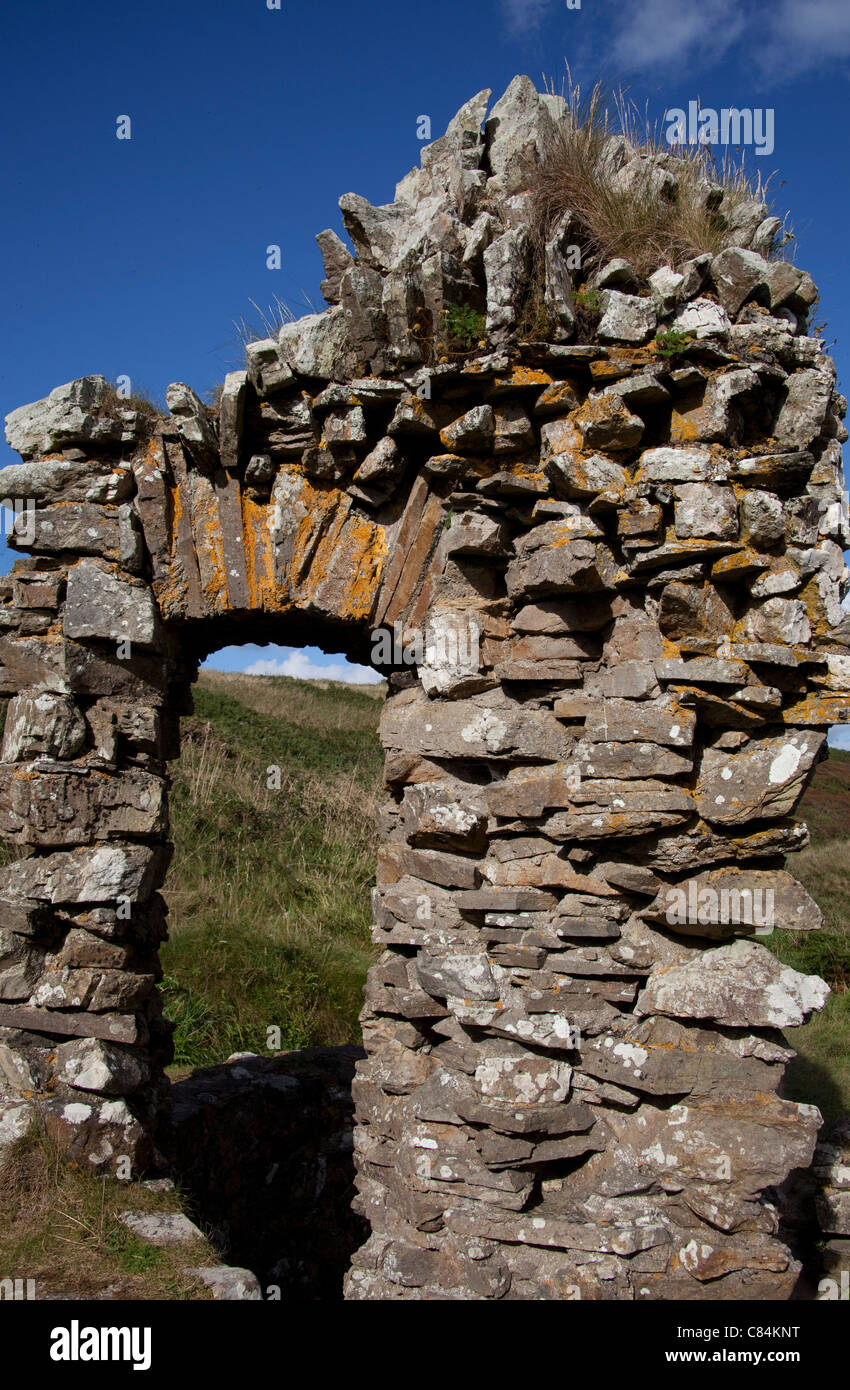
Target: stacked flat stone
x=83 y=791
x=831 y=1181
x=566 y=1094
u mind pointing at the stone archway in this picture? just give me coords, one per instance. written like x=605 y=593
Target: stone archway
x=628 y=574
x=174 y=556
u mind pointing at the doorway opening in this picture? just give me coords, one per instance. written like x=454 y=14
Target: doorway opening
x=272 y=808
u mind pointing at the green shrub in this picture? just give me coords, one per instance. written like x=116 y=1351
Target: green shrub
x=591 y=300
x=464 y=325
x=671 y=342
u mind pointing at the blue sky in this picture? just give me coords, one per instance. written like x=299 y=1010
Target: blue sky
x=248 y=122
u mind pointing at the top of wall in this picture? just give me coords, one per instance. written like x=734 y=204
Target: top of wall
x=464 y=231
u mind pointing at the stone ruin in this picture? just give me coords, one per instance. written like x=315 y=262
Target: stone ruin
x=620 y=573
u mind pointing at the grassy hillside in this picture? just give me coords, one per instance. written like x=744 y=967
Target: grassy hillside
x=821 y=1072
x=273 y=809
x=826 y=805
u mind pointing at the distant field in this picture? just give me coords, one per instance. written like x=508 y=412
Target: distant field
x=821 y=1072
x=269 y=886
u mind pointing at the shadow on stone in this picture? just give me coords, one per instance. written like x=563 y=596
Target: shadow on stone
x=263 y=1155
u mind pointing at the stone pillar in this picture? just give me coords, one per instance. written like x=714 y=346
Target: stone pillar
x=83 y=796
x=574 y=1077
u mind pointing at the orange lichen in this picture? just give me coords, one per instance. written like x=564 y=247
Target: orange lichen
x=685 y=429
x=523 y=376
x=337 y=554
x=209 y=545
x=170 y=593
x=264 y=592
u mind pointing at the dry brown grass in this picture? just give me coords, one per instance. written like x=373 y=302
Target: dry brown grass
x=59 y=1227
x=283 y=697
x=340 y=808
x=268 y=324
x=150 y=411
x=647 y=229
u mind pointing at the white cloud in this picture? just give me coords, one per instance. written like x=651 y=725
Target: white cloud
x=820 y=21
x=659 y=33
x=524 y=16
x=298 y=664
x=802 y=34
x=778 y=38
x=784 y=38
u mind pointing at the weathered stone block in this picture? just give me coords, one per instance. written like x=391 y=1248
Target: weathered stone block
x=706 y=510
x=741 y=985
x=72 y=414
x=645 y=721
x=103 y=605
x=94 y=1065
x=42 y=724
x=52 y=805
x=762 y=781
x=106 y=874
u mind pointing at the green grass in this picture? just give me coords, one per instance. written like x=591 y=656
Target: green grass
x=672 y=342
x=60 y=1227
x=329 y=749
x=590 y=300
x=269 y=886
x=821 y=1072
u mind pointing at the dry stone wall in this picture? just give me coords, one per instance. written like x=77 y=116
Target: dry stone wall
x=606 y=586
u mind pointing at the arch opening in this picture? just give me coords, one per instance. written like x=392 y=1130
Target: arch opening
x=273 y=818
